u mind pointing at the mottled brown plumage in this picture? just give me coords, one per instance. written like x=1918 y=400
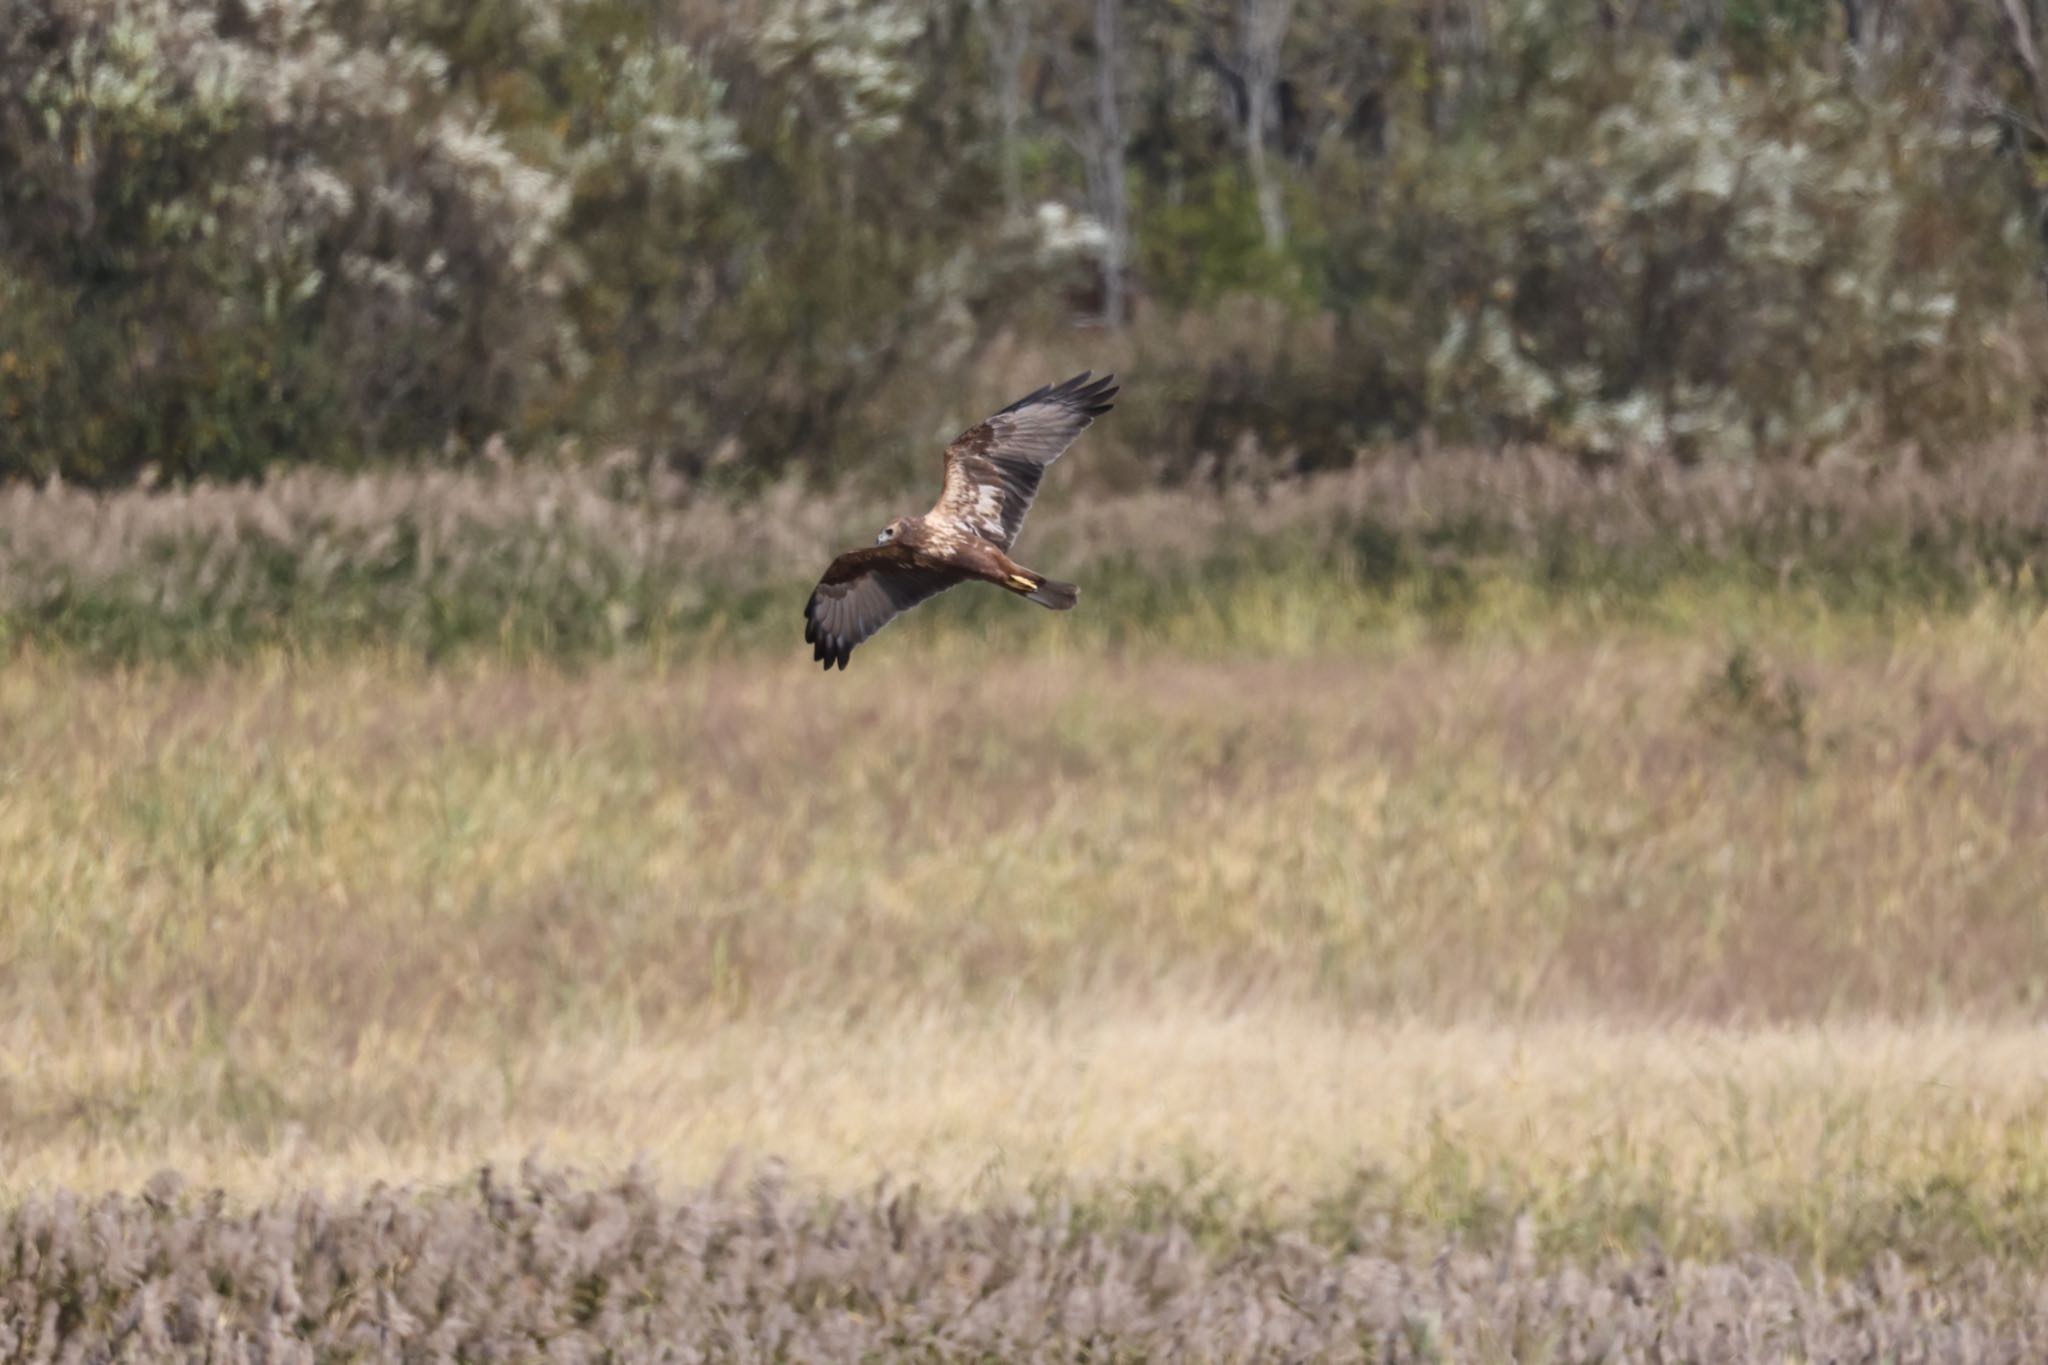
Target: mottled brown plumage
x=993 y=471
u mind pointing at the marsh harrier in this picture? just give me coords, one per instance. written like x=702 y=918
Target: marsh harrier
x=992 y=473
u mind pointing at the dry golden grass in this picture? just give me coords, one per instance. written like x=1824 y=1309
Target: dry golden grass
x=1728 y=938
x=1826 y=1141
x=1811 y=822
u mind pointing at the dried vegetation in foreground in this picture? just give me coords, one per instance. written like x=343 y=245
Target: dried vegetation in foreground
x=540 y=1268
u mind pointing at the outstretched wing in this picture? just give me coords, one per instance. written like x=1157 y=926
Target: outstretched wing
x=992 y=470
x=864 y=590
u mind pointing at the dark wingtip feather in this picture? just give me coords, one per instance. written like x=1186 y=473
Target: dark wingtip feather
x=1088 y=399
x=828 y=650
x=1042 y=391
x=1098 y=397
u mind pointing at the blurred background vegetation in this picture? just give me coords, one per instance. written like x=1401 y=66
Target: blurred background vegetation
x=745 y=239
x=1566 y=633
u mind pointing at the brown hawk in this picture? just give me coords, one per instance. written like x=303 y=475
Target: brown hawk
x=992 y=474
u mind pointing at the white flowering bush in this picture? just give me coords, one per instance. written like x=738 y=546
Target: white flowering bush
x=759 y=234
x=853 y=61
x=1714 y=265
x=242 y=236
x=238 y=234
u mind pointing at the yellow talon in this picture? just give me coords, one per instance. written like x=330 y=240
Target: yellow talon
x=1023 y=584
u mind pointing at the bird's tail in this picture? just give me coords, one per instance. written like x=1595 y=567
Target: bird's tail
x=1047 y=592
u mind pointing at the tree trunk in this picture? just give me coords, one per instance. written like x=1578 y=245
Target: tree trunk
x=1262 y=28
x=1008 y=25
x=1110 y=192
x=2026 y=55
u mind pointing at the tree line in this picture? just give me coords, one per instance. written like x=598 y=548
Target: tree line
x=746 y=236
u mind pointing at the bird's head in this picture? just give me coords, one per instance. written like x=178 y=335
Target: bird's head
x=892 y=530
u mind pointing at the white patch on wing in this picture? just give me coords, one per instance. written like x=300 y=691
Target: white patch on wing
x=988 y=509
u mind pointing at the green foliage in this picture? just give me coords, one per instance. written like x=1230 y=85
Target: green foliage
x=256 y=241
x=1617 y=249
x=320 y=235
x=1732 y=270
x=780 y=233
x=1205 y=247
x=1767 y=34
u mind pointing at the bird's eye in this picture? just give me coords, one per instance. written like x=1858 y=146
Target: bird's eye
x=888 y=532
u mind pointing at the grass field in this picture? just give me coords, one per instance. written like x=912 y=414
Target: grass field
x=1733 y=942
x=1575 y=915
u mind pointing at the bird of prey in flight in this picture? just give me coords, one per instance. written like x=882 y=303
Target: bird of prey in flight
x=992 y=473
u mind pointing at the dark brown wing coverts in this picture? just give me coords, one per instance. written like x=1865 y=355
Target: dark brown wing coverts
x=863 y=591
x=993 y=469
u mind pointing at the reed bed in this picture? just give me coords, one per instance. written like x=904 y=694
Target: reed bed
x=575 y=558
x=535 y=1266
